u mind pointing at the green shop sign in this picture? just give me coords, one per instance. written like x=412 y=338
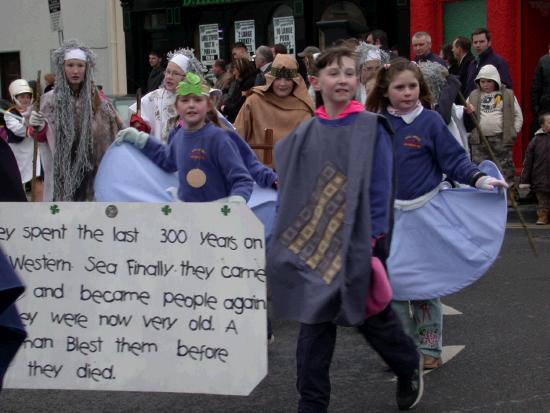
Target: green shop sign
x=194 y=3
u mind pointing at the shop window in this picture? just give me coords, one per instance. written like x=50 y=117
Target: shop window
x=341 y=19
x=155 y=21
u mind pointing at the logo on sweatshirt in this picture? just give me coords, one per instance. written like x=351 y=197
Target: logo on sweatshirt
x=198 y=154
x=412 y=141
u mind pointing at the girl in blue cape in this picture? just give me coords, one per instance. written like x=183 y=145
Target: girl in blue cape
x=208 y=162
x=335 y=188
x=435 y=250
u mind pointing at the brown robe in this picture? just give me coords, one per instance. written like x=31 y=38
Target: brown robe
x=265 y=110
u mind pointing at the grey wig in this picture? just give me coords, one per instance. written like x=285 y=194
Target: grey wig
x=74 y=145
x=435 y=75
x=365 y=51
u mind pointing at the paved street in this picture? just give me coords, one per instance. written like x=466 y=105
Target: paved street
x=503 y=367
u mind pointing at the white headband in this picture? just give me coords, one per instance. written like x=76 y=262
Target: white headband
x=75 y=54
x=181 y=60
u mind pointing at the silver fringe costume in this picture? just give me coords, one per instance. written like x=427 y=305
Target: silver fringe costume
x=80 y=129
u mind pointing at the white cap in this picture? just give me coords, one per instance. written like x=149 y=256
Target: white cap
x=18 y=87
x=181 y=60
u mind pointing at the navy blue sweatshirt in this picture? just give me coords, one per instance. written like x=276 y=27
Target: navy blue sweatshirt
x=209 y=149
x=424 y=150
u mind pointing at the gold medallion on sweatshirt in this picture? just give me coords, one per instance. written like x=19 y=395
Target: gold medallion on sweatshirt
x=196 y=178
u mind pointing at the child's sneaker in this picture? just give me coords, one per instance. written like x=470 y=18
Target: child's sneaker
x=542 y=217
x=409 y=391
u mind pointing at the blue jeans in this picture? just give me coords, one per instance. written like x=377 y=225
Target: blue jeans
x=423 y=321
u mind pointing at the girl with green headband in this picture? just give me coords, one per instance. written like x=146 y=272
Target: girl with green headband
x=207 y=161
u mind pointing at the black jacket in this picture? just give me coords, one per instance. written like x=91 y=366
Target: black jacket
x=540 y=88
x=155 y=78
x=236 y=100
x=11 y=189
x=461 y=70
x=487 y=57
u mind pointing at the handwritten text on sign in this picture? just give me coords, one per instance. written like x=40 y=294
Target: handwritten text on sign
x=140 y=297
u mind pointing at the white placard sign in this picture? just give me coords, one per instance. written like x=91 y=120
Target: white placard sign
x=56 y=23
x=283 y=28
x=138 y=297
x=245 y=32
x=209 y=43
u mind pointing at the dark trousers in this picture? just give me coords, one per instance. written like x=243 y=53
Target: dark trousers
x=316 y=346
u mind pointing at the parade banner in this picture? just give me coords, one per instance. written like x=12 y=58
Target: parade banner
x=209 y=43
x=283 y=28
x=138 y=297
x=245 y=32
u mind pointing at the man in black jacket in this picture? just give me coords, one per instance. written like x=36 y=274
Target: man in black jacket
x=481 y=39
x=157 y=71
x=461 y=51
x=540 y=87
x=422 y=45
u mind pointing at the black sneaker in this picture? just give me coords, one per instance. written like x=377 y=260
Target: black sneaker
x=409 y=391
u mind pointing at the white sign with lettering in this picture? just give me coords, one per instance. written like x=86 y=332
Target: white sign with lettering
x=138 y=297
x=283 y=28
x=209 y=43
x=56 y=23
x=245 y=33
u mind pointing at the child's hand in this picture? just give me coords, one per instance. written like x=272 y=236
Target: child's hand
x=37 y=120
x=489 y=183
x=236 y=199
x=133 y=136
x=469 y=108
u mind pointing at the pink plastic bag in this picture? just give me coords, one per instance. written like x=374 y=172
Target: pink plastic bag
x=380 y=292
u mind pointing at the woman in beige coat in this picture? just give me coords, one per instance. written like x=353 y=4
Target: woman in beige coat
x=281 y=104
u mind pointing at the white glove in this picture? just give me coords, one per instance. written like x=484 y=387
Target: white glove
x=489 y=183
x=236 y=199
x=133 y=136
x=524 y=186
x=37 y=120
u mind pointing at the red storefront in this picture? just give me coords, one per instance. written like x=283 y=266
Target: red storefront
x=519 y=30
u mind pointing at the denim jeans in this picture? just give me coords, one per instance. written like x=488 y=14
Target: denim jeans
x=423 y=321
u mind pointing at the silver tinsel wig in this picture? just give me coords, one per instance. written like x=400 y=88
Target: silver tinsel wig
x=74 y=145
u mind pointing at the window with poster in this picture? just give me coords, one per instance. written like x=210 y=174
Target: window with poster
x=281 y=28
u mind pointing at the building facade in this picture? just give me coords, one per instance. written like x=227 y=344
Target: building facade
x=519 y=30
x=29 y=36
x=212 y=26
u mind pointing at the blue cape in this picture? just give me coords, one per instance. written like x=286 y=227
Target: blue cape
x=447 y=244
x=127 y=175
x=12 y=331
